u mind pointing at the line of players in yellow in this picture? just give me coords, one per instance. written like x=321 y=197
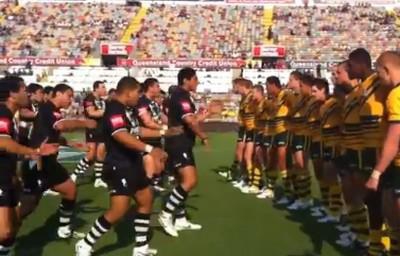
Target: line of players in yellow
x=347 y=137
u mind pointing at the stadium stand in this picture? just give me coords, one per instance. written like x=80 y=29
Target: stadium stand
x=206 y=31
x=323 y=32
x=61 y=29
x=196 y=31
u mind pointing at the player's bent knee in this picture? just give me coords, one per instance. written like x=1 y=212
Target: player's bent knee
x=101 y=152
x=28 y=205
x=144 y=200
x=67 y=189
x=6 y=233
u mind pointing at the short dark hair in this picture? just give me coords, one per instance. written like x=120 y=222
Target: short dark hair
x=62 y=88
x=245 y=82
x=237 y=80
x=361 y=56
x=127 y=83
x=274 y=80
x=33 y=88
x=147 y=83
x=321 y=83
x=259 y=88
x=9 y=84
x=307 y=79
x=48 y=90
x=97 y=84
x=297 y=74
x=112 y=90
x=171 y=89
x=185 y=73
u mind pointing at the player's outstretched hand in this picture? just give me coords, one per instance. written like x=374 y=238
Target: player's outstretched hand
x=48 y=149
x=158 y=154
x=372 y=184
x=159 y=157
x=173 y=131
x=90 y=124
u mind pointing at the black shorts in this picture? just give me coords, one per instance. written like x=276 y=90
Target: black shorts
x=316 y=150
x=52 y=174
x=299 y=143
x=154 y=142
x=280 y=139
x=94 y=136
x=258 y=141
x=30 y=178
x=330 y=153
x=390 y=179
x=250 y=136
x=9 y=196
x=267 y=141
x=125 y=181
x=180 y=156
x=241 y=134
x=352 y=159
x=369 y=158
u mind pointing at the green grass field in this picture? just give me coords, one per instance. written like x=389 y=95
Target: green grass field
x=233 y=223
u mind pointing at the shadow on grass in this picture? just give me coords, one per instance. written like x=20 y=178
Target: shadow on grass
x=35 y=241
x=221 y=169
x=319 y=234
x=125 y=233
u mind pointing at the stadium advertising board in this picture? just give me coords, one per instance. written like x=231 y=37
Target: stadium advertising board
x=269 y=51
x=196 y=63
x=260 y=1
x=9 y=61
x=115 y=48
x=72 y=1
x=300 y=64
x=378 y=2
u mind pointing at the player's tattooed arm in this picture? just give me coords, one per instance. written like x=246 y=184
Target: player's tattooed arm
x=8 y=145
x=26 y=113
x=92 y=112
x=145 y=116
x=194 y=125
x=66 y=125
x=131 y=142
x=151 y=133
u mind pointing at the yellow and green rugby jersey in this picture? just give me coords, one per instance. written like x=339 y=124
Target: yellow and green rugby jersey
x=313 y=125
x=299 y=115
x=351 y=126
x=247 y=110
x=279 y=113
x=372 y=112
x=330 y=121
x=393 y=112
x=293 y=101
x=262 y=115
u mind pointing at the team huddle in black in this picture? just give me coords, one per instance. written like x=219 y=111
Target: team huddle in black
x=131 y=138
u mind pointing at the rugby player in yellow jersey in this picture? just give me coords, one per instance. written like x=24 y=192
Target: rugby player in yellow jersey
x=330 y=121
x=373 y=124
x=259 y=102
x=348 y=159
x=266 y=144
x=236 y=168
x=386 y=173
x=300 y=144
x=350 y=164
x=320 y=92
x=292 y=99
x=278 y=130
x=247 y=114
